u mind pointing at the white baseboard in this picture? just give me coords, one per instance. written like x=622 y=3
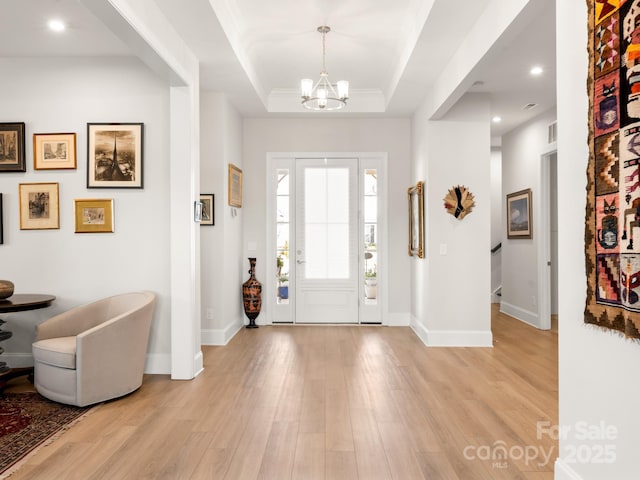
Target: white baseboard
x=198 y=363
x=220 y=336
x=452 y=338
x=17 y=360
x=158 y=364
x=521 y=314
x=397 y=320
x=563 y=471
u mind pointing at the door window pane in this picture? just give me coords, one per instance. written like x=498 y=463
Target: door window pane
x=282 y=236
x=326 y=214
x=370 y=236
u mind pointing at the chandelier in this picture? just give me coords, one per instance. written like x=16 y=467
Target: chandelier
x=323 y=95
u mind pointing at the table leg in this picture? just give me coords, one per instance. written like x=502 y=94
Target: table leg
x=6 y=372
x=4 y=336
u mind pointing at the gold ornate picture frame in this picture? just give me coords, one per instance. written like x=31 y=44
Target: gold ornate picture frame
x=94 y=215
x=235 y=186
x=416 y=220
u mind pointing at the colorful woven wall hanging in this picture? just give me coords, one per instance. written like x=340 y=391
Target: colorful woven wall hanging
x=612 y=232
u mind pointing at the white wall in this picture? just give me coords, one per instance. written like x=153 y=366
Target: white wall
x=62 y=95
x=597 y=368
x=332 y=135
x=222 y=266
x=451 y=292
x=521 y=169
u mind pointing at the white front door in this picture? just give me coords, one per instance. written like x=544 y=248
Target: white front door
x=326 y=251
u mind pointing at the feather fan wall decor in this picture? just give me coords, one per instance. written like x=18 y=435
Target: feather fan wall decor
x=459 y=201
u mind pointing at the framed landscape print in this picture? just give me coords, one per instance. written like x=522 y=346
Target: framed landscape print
x=94 y=215
x=12 y=147
x=235 y=186
x=54 y=151
x=114 y=155
x=416 y=220
x=207 y=218
x=39 y=206
x=519 y=214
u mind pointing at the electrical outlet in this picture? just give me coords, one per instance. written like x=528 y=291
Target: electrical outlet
x=209 y=313
x=533 y=300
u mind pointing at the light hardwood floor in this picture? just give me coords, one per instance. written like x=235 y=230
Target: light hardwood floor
x=322 y=402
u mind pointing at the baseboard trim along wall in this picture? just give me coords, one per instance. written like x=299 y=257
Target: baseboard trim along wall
x=18 y=360
x=521 y=314
x=155 y=363
x=452 y=338
x=563 y=471
x=219 y=336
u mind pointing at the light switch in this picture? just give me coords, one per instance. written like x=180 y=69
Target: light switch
x=443 y=249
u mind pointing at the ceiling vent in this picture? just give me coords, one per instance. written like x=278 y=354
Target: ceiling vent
x=530 y=106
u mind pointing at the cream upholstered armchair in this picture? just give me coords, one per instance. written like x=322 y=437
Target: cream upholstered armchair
x=94 y=352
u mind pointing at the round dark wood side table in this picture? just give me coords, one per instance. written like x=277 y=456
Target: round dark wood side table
x=20 y=302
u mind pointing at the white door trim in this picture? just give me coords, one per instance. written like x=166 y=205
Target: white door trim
x=277 y=160
x=542 y=226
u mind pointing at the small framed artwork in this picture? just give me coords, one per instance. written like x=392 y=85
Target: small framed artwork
x=54 y=151
x=206 y=199
x=519 y=215
x=1 y=222
x=39 y=206
x=12 y=147
x=114 y=155
x=94 y=215
x=235 y=186
x=416 y=220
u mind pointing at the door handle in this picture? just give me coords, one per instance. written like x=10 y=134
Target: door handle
x=300 y=262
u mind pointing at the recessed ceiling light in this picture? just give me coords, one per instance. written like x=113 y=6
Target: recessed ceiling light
x=536 y=70
x=496 y=119
x=56 y=25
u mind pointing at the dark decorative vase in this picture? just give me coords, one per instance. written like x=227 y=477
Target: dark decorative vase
x=252 y=295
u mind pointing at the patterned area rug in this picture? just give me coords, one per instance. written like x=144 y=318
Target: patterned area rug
x=26 y=421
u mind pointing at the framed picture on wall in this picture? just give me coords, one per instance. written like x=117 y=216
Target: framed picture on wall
x=94 y=215
x=207 y=214
x=12 y=147
x=416 y=220
x=54 y=151
x=114 y=155
x=519 y=214
x=235 y=186
x=39 y=206
x=1 y=222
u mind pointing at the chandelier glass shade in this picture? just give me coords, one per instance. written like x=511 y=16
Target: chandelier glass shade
x=323 y=95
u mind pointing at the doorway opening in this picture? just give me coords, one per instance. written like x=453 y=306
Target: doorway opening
x=327 y=232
